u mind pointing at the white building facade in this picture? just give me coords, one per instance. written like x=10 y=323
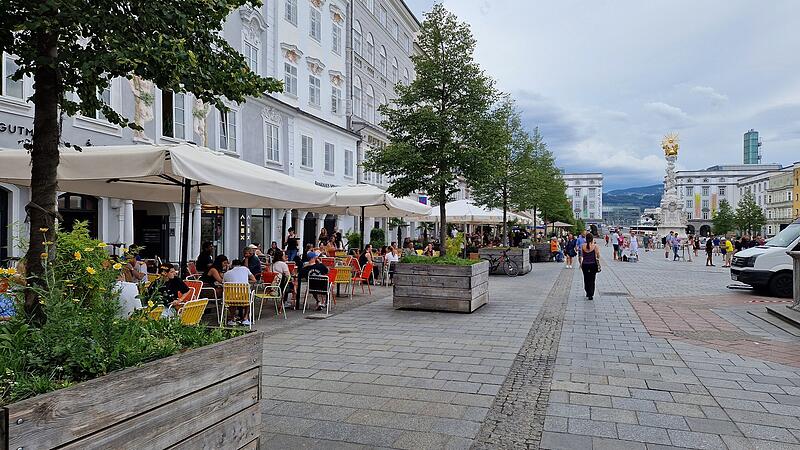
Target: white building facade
x=701 y=191
x=305 y=131
x=780 y=195
x=585 y=194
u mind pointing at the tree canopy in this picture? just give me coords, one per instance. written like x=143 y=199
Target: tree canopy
x=74 y=48
x=724 y=220
x=749 y=216
x=435 y=123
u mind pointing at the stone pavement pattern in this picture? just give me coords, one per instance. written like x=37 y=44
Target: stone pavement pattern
x=375 y=377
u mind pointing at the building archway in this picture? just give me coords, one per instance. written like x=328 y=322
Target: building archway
x=77 y=207
x=705 y=230
x=690 y=229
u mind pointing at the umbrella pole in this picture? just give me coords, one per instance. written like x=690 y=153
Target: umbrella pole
x=363 y=238
x=187 y=195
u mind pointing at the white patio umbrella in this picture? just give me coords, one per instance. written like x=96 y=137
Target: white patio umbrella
x=179 y=173
x=464 y=211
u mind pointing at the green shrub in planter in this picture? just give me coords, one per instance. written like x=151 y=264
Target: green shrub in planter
x=377 y=238
x=82 y=336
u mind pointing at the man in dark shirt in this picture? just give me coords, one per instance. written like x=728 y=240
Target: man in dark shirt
x=313 y=266
x=169 y=286
x=252 y=262
x=205 y=258
x=292 y=245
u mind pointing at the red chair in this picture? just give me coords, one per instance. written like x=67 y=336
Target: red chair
x=267 y=277
x=328 y=262
x=363 y=277
x=356 y=267
x=292 y=267
x=197 y=285
x=332 y=277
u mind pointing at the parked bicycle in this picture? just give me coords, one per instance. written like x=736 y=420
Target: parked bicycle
x=510 y=268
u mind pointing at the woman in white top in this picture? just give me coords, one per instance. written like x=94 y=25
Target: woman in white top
x=239 y=274
x=282 y=268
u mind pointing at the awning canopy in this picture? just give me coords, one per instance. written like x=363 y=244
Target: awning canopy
x=464 y=211
x=559 y=225
x=157 y=173
x=349 y=200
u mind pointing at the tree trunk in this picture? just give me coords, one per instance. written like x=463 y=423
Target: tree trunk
x=534 y=224
x=505 y=220
x=442 y=221
x=44 y=164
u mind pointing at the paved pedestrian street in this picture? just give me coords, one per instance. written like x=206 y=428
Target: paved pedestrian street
x=665 y=356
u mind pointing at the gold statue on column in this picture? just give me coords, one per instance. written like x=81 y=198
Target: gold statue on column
x=670 y=144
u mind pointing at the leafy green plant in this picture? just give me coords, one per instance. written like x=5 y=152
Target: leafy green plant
x=449 y=260
x=377 y=238
x=353 y=239
x=454 y=244
x=82 y=336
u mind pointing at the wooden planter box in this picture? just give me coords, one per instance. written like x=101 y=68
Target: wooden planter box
x=521 y=256
x=441 y=287
x=204 y=398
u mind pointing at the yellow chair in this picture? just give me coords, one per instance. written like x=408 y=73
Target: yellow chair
x=192 y=311
x=271 y=291
x=344 y=275
x=156 y=312
x=419 y=252
x=236 y=294
x=340 y=254
x=436 y=253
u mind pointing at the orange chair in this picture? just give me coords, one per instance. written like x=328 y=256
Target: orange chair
x=267 y=276
x=328 y=262
x=363 y=277
x=332 y=278
x=292 y=267
x=356 y=267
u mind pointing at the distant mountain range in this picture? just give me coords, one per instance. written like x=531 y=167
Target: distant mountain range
x=642 y=196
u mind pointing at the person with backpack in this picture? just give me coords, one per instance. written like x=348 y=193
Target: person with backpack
x=590 y=265
x=709 y=252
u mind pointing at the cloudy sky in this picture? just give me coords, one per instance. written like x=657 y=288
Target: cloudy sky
x=605 y=80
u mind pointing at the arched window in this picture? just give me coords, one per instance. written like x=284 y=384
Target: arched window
x=74 y=207
x=357 y=96
x=369 y=114
x=406 y=77
x=378 y=115
x=382 y=61
x=357 y=37
x=395 y=71
x=370 y=49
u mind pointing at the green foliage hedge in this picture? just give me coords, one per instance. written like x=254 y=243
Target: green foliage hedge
x=438 y=260
x=83 y=337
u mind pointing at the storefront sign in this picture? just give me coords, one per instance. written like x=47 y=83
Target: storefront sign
x=15 y=129
x=325 y=185
x=423 y=199
x=244 y=228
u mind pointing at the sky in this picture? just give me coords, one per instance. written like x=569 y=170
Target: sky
x=605 y=80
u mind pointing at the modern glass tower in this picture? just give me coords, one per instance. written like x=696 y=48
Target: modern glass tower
x=752 y=150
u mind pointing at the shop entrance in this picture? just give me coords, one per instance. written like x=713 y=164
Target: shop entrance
x=151 y=229
x=212 y=227
x=4 y=250
x=76 y=207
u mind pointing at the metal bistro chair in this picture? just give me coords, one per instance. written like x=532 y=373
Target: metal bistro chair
x=270 y=290
x=197 y=285
x=362 y=278
x=236 y=294
x=192 y=311
x=389 y=272
x=328 y=262
x=318 y=284
x=156 y=312
x=344 y=275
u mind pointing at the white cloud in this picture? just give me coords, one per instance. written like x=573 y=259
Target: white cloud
x=668 y=112
x=707 y=91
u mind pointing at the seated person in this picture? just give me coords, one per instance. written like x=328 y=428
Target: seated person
x=314 y=265
x=132 y=269
x=251 y=261
x=238 y=273
x=212 y=277
x=170 y=288
x=282 y=268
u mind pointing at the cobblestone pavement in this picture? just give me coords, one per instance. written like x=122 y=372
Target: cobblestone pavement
x=654 y=362
x=376 y=377
x=617 y=386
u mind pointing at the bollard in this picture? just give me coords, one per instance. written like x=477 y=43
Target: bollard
x=796 y=257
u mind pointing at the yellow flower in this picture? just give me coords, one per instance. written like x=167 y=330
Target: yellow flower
x=76 y=300
x=41 y=302
x=102 y=245
x=48 y=243
x=150 y=303
x=117 y=266
x=91 y=270
x=88 y=249
x=44 y=230
x=78 y=256
x=123 y=250
x=11 y=271
x=43 y=255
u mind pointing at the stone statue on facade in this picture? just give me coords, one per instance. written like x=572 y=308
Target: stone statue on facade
x=199 y=114
x=671 y=216
x=143 y=105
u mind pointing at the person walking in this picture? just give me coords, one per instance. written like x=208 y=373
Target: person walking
x=727 y=249
x=607 y=240
x=676 y=246
x=690 y=244
x=581 y=240
x=666 y=241
x=709 y=252
x=634 y=246
x=570 y=248
x=615 y=243
x=590 y=265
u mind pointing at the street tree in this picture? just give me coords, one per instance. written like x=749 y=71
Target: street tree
x=505 y=182
x=435 y=123
x=724 y=219
x=74 y=48
x=749 y=216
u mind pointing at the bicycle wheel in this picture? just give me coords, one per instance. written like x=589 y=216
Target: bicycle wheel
x=511 y=268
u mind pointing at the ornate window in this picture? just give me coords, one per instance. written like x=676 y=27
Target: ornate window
x=307 y=151
x=105 y=97
x=369 y=102
x=315 y=23
x=395 y=71
x=357 y=97
x=272 y=148
x=336 y=100
x=336 y=39
x=228 y=136
x=348 y=163
x=406 y=77
x=357 y=37
x=9 y=87
x=370 y=49
x=173 y=114
x=290 y=79
x=314 y=90
x=291 y=11
x=329 y=157
x=382 y=60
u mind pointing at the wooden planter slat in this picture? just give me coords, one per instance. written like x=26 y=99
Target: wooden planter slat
x=521 y=256
x=237 y=431
x=441 y=287
x=180 y=419
x=174 y=387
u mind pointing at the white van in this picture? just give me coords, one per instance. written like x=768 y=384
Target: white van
x=767 y=266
